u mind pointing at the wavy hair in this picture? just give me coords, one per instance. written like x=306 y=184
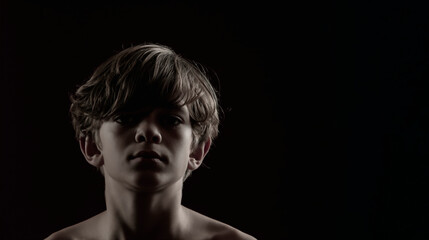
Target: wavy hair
x=146 y=75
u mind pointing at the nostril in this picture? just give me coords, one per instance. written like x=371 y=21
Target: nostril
x=156 y=138
x=140 y=138
x=148 y=136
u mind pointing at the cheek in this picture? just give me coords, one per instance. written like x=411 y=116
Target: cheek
x=113 y=140
x=179 y=140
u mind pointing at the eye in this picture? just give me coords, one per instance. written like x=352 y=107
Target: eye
x=126 y=119
x=171 y=120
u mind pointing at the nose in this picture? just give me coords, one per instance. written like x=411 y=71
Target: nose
x=147 y=131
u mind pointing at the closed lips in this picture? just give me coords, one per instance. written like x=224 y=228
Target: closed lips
x=147 y=155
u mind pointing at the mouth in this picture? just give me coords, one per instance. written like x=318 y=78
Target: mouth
x=147 y=156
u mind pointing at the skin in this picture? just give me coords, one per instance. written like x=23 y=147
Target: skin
x=143 y=194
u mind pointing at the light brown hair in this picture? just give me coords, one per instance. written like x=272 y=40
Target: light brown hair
x=141 y=76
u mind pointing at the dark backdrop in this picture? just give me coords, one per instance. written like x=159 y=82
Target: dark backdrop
x=326 y=128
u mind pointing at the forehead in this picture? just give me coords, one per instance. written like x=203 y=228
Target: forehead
x=181 y=109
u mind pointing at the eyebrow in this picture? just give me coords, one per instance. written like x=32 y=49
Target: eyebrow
x=147 y=110
x=179 y=110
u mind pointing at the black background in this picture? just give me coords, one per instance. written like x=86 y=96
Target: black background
x=326 y=133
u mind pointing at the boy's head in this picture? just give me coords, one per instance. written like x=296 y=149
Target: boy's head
x=142 y=76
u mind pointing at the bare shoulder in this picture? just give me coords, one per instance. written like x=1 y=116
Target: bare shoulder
x=79 y=231
x=216 y=230
x=68 y=233
x=231 y=233
x=59 y=235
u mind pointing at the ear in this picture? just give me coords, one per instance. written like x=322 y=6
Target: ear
x=197 y=155
x=91 y=151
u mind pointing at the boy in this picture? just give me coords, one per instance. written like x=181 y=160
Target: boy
x=146 y=118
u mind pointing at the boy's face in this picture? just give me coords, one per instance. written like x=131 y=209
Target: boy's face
x=147 y=150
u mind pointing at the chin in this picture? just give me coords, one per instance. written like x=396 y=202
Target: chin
x=154 y=182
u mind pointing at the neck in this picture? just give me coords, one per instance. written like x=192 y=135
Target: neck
x=131 y=214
